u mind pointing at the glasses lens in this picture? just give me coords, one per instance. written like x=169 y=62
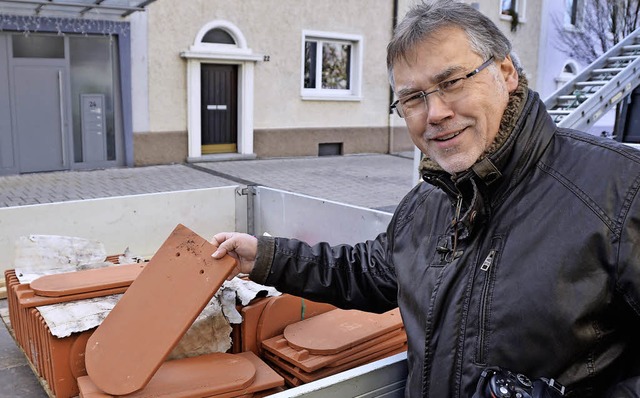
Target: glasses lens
x=452 y=90
x=414 y=105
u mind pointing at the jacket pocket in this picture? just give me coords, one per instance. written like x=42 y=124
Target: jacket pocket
x=487 y=274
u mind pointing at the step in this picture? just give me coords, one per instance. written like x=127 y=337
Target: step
x=559 y=112
x=607 y=70
x=622 y=58
x=592 y=83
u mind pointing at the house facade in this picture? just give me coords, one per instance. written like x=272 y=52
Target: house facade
x=173 y=81
x=265 y=78
x=521 y=21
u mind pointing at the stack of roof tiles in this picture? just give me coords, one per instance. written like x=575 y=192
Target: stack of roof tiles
x=88 y=364
x=282 y=339
x=332 y=342
x=58 y=362
x=264 y=318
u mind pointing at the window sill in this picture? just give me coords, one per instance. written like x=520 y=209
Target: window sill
x=508 y=18
x=351 y=98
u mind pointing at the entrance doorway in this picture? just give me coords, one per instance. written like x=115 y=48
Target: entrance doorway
x=64 y=99
x=219 y=108
x=40 y=115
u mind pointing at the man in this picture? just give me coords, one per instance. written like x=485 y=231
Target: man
x=521 y=250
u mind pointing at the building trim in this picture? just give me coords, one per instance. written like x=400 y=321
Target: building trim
x=213 y=53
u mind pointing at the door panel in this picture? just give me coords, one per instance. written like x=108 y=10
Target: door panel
x=7 y=162
x=219 y=108
x=39 y=109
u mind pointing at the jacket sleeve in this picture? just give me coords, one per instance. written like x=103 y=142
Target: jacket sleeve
x=349 y=277
x=628 y=286
x=628 y=388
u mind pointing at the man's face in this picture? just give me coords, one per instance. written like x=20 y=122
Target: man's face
x=454 y=134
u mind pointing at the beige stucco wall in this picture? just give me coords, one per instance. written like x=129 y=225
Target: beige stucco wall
x=526 y=38
x=281 y=117
x=273 y=28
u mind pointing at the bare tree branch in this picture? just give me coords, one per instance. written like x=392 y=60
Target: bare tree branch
x=600 y=25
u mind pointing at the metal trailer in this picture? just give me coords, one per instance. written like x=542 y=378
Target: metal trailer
x=142 y=223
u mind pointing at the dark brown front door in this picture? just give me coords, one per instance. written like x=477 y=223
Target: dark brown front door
x=219 y=108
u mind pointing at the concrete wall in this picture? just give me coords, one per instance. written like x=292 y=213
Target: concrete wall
x=139 y=222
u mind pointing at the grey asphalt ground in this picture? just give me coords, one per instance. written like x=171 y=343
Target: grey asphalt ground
x=369 y=180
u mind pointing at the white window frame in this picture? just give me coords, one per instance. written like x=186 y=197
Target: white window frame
x=354 y=92
x=567 y=16
x=521 y=8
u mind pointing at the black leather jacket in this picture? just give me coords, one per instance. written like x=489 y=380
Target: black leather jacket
x=530 y=262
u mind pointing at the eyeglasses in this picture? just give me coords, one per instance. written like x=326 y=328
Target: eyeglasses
x=448 y=91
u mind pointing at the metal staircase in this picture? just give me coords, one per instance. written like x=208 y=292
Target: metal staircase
x=599 y=87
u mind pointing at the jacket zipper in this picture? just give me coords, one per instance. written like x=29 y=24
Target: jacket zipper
x=485 y=267
x=449 y=257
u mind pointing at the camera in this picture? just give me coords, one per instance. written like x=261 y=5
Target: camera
x=495 y=382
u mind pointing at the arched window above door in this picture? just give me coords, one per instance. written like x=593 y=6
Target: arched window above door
x=219 y=36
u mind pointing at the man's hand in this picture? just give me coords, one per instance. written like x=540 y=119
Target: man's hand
x=242 y=247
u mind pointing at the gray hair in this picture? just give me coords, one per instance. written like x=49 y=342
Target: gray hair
x=423 y=19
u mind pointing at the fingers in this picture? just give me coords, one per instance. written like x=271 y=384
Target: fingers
x=238 y=244
x=220 y=238
x=241 y=246
x=223 y=243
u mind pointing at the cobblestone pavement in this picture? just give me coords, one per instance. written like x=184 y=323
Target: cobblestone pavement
x=28 y=189
x=373 y=180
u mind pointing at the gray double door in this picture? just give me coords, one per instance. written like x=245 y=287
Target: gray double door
x=41 y=115
x=59 y=103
